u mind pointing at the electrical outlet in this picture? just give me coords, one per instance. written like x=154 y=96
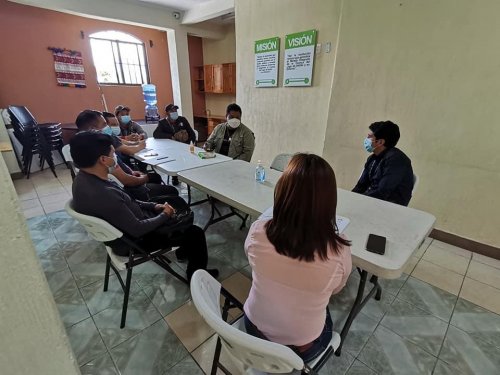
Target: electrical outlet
x=318 y=48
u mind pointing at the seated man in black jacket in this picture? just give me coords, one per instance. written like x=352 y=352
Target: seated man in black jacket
x=387 y=174
x=174 y=127
x=146 y=222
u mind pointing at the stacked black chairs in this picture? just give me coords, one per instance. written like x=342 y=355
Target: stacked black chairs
x=36 y=139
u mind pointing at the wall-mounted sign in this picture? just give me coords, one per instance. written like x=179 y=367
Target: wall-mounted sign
x=266 y=62
x=299 y=58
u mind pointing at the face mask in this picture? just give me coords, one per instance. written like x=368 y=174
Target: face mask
x=126 y=119
x=116 y=130
x=107 y=130
x=174 y=115
x=234 y=123
x=112 y=168
x=368 y=145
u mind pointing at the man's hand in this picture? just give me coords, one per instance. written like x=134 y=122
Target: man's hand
x=181 y=136
x=141 y=146
x=134 y=137
x=168 y=209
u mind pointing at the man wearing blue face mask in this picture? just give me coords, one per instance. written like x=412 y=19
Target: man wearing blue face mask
x=130 y=130
x=388 y=174
x=174 y=127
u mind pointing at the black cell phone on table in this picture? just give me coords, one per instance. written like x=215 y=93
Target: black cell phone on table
x=376 y=244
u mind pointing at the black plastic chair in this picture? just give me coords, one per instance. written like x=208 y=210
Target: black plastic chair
x=36 y=139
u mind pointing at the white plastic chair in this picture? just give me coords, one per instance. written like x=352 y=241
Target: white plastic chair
x=281 y=161
x=253 y=355
x=196 y=134
x=101 y=231
x=415 y=183
x=66 y=151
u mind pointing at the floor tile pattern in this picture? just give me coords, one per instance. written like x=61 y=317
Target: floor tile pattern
x=441 y=317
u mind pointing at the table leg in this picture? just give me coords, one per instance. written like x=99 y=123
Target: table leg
x=359 y=303
x=221 y=217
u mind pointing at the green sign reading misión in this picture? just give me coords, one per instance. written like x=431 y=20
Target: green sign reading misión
x=267 y=45
x=266 y=62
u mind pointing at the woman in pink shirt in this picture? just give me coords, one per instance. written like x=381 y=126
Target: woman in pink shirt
x=298 y=260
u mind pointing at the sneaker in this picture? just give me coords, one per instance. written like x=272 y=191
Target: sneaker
x=175 y=180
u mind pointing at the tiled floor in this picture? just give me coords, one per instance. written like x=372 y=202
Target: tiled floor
x=440 y=317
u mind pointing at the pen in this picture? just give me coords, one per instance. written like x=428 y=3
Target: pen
x=165 y=157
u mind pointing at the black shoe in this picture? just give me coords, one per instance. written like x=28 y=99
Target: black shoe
x=181 y=258
x=214 y=272
x=175 y=180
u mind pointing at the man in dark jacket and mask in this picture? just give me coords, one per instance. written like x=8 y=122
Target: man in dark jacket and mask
x=388 y=174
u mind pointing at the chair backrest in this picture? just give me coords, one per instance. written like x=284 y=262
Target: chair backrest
x=69 y=160
x=243 y=349
x=21 y=115
x=415 y=183
x=281 y=161
x=67 y=153
x=98 y=229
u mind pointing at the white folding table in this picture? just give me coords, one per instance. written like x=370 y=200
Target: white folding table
x=404 y=228
x=173 y=157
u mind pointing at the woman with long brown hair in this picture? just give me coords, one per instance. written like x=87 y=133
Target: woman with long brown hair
x=298 y=260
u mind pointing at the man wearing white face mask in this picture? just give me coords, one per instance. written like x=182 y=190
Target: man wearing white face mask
x=130 y=130
x=388 y=174
x=174 y=127
x=232 y=138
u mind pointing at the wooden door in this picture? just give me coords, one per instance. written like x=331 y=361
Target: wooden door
x=218 y=78
x=208 y=76
x=229 y=78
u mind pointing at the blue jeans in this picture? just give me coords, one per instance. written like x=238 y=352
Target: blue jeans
x=318 y=346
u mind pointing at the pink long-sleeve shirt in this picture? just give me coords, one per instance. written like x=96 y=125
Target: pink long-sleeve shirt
x=288 y=298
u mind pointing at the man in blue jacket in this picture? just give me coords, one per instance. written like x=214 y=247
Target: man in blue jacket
x=387 y=174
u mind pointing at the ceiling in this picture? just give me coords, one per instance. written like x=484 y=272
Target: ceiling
x=177 y=4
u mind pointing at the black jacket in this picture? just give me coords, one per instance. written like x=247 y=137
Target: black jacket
x=166 y=130
x=388 y=176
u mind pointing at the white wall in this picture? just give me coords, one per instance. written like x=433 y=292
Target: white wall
x=32 y=337
x=432 y=67
x=285 y=119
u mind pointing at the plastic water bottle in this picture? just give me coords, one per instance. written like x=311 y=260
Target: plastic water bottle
x=260 y=172
x=149 y=93
x=191 y=147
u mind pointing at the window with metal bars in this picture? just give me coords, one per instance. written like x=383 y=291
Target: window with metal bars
x=119 y=58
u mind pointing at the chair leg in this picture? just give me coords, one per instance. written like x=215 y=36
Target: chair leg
x=244 y=222
x=106 y=275
x=125 y=297
x=215 y=363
